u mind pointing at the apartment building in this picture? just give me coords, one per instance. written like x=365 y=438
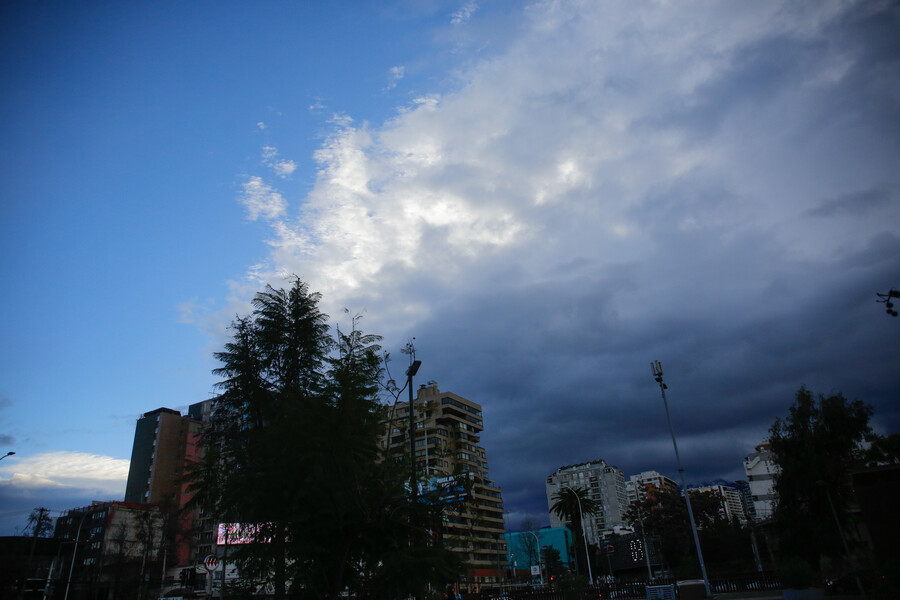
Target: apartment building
x=761 y=471
x=165 y=443
x=112 y=549
x=732 y=504
x=638 y=486
x=163 y=438
x=447 y=436
x=606 y=486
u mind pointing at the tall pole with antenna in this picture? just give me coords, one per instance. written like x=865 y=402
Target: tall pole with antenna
x=657 y=370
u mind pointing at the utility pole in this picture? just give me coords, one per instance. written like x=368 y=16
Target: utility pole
x=657 y=370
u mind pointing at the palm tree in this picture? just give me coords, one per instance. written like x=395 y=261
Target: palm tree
x=571 y=505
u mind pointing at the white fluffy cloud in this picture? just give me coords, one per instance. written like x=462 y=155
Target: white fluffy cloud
x=396 y=74
x=58 y=481
x=464 y=12
x=262 y=200
x=67 y=469
x=604 y=126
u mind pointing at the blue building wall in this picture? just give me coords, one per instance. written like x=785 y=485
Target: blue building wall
x=517 y=545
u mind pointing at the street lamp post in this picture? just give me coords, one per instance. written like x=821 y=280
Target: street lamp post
x=657 y=370
x=10 y=453
x=410 y=373
x=413 y=484
x=587 y=557
x=74 y=553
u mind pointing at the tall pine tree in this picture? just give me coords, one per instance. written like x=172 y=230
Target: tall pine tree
x=292 y=449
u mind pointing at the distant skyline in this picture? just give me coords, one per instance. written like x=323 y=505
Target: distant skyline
x=547 y=195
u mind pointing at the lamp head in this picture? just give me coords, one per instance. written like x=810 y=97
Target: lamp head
x=413 y=368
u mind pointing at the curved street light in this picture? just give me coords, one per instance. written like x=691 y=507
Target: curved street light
x=10 y=453
x=537 y=541
x=74 y=553
x=587 y=557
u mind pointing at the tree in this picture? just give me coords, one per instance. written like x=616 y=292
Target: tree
x=258 y=448
x=884 y=450
x=553 y=565
x=572 y=505
x=815 y=448
x=39 y=523
x=664 y=516
x=530 y=541
x=292 y=448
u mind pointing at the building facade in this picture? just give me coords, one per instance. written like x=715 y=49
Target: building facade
x=447 y=436
x=638 y=486
x=157 y=458
x=605 y=485
x=732 y=504
x=761 y=471
x=111 y=549
x=525 y=551
x=165 y=443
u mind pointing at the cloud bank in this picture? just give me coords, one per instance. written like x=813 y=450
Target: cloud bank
x=58 y=481
x=713 y=186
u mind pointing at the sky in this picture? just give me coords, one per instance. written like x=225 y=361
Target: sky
x=546 y=195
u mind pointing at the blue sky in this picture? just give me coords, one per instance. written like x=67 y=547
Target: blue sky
x=547 y=195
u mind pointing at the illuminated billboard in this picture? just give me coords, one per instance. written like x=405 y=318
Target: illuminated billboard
x=238 y=533
x=452 y=488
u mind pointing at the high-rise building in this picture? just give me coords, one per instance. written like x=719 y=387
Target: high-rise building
x=605 y=485
x=638 y=486
x=165 y=442
x=746 y=499
x=732 y=505
x=761 y=471
x=447 y=443
x=161 y=439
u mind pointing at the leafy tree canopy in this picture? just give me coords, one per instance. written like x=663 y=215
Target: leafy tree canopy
x=815 y=448
x=663 y=515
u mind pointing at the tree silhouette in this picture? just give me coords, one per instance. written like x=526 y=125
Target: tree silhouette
x=292 y=448
x=815 y=447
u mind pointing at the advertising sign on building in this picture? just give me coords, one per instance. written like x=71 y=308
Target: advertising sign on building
x=451 y=488
x=236 y=533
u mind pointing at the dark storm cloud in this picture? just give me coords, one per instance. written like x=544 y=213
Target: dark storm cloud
x=711 y=186
x=856 y=203
x=564 y=380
